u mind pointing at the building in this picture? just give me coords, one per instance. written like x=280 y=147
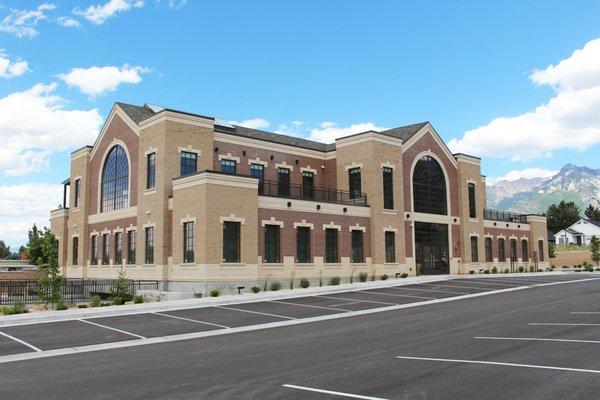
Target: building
x=580 y=233
x=195 y=202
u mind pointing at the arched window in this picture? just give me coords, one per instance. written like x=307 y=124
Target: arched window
x=429 y=187
x=115 y=180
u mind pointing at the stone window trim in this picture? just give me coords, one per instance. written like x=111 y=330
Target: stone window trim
x=284 y=166
x=390 y=229
x=187 y=218
x=489 y=235
x=500 y=237
x=271 y=221
x=513 y=237
x=357 y=228
x=130 y=228
x=258 y=161
x=524 y=238
x=541 y=238
x=94 y=233
x=151 y=150
x=308 y=169
x=354 y=165
x=105 y=231
x=473 y=234
x=229 y=157
x=75 y=235
x=471 y=181
x=388 y=165
x=189 y=149
x=149 y=225
x=389 y=212
x=117 y=230
x=232 y=218
x=304 y=224
x=331 y=225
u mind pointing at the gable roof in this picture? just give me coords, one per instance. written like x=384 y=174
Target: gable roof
x=404 y=132
x=136 y=113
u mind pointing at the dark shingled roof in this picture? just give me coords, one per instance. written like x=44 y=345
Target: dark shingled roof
x=136 y=113
x=279 y=138
x=593 y=222
x=404 y=132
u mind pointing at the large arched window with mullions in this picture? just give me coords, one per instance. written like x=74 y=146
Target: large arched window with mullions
x=115 y=180
x=429 y=187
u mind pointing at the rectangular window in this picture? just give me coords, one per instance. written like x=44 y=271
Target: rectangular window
x=308 y=185
x=151 y=171
x=188 y=163
x=541 y=250
x=488 y=250
x=283 y=182
x=258 y=171
x=272 y=250
x=77 y=192
x=474 y=251
x=94 y=252
x=388 y=188
x=472 y=209
x=131 y=247
x=513 y=249
x=188 y=242
x=303 y=244
x=354 y=183
x=105 y=249
x=525 y=250
x=390 y=247
x=118 y=248
x=331 y=245
x=228 y=166
x=357 y=247
x=75 y=250
x=149 y=245
x=231 y=242
x=501 y=251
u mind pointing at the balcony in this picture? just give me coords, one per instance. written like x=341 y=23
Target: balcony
x=311 y=193
x=504 y=216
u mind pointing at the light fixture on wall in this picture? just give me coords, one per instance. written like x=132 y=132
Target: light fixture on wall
x=216 y=149
x=244 y=152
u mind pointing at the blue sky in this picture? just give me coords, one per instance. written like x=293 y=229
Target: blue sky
x=311 y=68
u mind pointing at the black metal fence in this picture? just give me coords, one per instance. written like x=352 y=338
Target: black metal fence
x=73 y=291
x=312 y=193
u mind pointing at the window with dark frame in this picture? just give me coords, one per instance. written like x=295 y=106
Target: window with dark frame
x=331 y=245
x=231 y=242
x=77 y=192
x=357 y=246
x=429 y=187
x=75 y=250
x=105 y=249
x=188 y=163
x=541 y=250
x=354 y=183
x=303 y=244
x=118 y=248
x=308 y=185
x=131 y=244
x=115 y=180
x=272 y=249
x=94 y=250
x=151 y=171
x=501 y=250
x=474 y=249
x=472 y=208
x=388 y=188
x=390 y=247
x=488 y=250
x=188 y=241
x=283 y=182
x=258 y=171
x=228 y=166
x=525 y=250
x=149 y=259
x=513 y=249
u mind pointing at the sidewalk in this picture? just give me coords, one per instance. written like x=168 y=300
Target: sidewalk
x=76 y=313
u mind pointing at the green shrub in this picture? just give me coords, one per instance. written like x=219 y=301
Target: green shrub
x=487 y=271
x=82 y=306
x=506 y=271
x=275 y=286
x=521 y=269
x=138 y=298
x=96 y=301
x=104 y=304
x=471 y=272
x=61 y=305
x=494 y=270
x=215 y=293
x=198 y=295
x=118 y=300
x=255 y=289
x=19 y=307
x=363 y=276
x=384 y=277
x=304 y=283
x=589 y=268
x=531 y=268
x=404 y=275
x=7 y=311
x=334 y=281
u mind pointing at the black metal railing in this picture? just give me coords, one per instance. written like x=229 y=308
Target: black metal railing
x=504 y=216
x=311 y=193
x=73 y=291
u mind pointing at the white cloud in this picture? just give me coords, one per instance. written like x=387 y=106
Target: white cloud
x=329 y=131
x=96 y=81
x=254 y=123
x=22 y=23
x=25 y=204
x=569 y=120
x=527 y=173
x=68 y=22
x=172 y=4
x=10 y=69
x=34 y=124
x=98 y=14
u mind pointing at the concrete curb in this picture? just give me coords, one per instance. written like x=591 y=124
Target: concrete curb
x=73 y=314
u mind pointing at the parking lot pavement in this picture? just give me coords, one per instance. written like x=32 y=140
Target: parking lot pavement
x=284 y=309
x=11 y=345
x=226 y=317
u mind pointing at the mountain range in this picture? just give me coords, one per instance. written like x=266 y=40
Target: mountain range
x=571 y=183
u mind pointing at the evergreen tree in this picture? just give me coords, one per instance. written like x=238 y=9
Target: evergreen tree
x=49 y=284
x=4 y=250
x=595 y=249
x=562 y=215
x=592 y=213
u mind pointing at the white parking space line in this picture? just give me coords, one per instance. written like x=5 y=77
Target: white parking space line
x=397 y=295
x=519 y=281
x=340 y=394
x=190 y=320
x=361 y=301
x=436 y=285
x=255 y=312
x=307 y=305
x=426 y=290
x=560 y=324
x=537 y=339
x=32 y=347
x=585 y=312
x=504 y=364
x=112 y=329
x=475 y=281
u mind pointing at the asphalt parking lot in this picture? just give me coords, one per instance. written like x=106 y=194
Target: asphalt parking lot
x=541 y=342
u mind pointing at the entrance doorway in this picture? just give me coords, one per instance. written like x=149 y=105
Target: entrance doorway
x=431 y=248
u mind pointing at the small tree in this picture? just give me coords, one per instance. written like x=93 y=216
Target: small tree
x=552 y=250
x=595 y=249
x=4 y=250
x=49 y=284
x=34 y=248
x=122 y=290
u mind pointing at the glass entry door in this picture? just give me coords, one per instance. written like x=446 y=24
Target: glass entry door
x=431 y=242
